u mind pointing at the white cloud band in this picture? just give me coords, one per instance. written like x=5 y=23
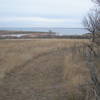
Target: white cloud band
x=37 y=19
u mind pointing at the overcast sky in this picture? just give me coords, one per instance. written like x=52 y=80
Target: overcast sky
x=43 y=13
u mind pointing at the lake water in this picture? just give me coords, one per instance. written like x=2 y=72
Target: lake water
x=59 y=31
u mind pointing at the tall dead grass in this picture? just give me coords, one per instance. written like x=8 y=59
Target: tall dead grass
x=51 y=61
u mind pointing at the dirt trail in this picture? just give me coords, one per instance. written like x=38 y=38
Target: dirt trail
x=39 y=78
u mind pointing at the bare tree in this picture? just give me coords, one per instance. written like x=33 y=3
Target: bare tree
x=96 y=1
x=92 y=22
x=97 y=11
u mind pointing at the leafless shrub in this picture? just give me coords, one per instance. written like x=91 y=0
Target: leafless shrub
x=92 y=22
x=89 y=52
x=94 y=85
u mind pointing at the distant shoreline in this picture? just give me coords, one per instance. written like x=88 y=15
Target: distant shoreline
x=58 y=31
x=31 y=35
x=46 y=27
x=17 y=31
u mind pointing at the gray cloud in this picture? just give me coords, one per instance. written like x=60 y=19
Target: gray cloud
x=43 y=12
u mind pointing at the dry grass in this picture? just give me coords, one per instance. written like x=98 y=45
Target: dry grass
x=41 y=69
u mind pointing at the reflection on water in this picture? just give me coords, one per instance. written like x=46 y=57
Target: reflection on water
x=13 y=35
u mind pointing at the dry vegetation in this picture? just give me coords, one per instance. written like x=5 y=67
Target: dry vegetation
x=43 y=69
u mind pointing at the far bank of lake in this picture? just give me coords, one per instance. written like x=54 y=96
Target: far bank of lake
x=58 y=31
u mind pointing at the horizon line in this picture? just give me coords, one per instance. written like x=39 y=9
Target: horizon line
x=40 y=27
